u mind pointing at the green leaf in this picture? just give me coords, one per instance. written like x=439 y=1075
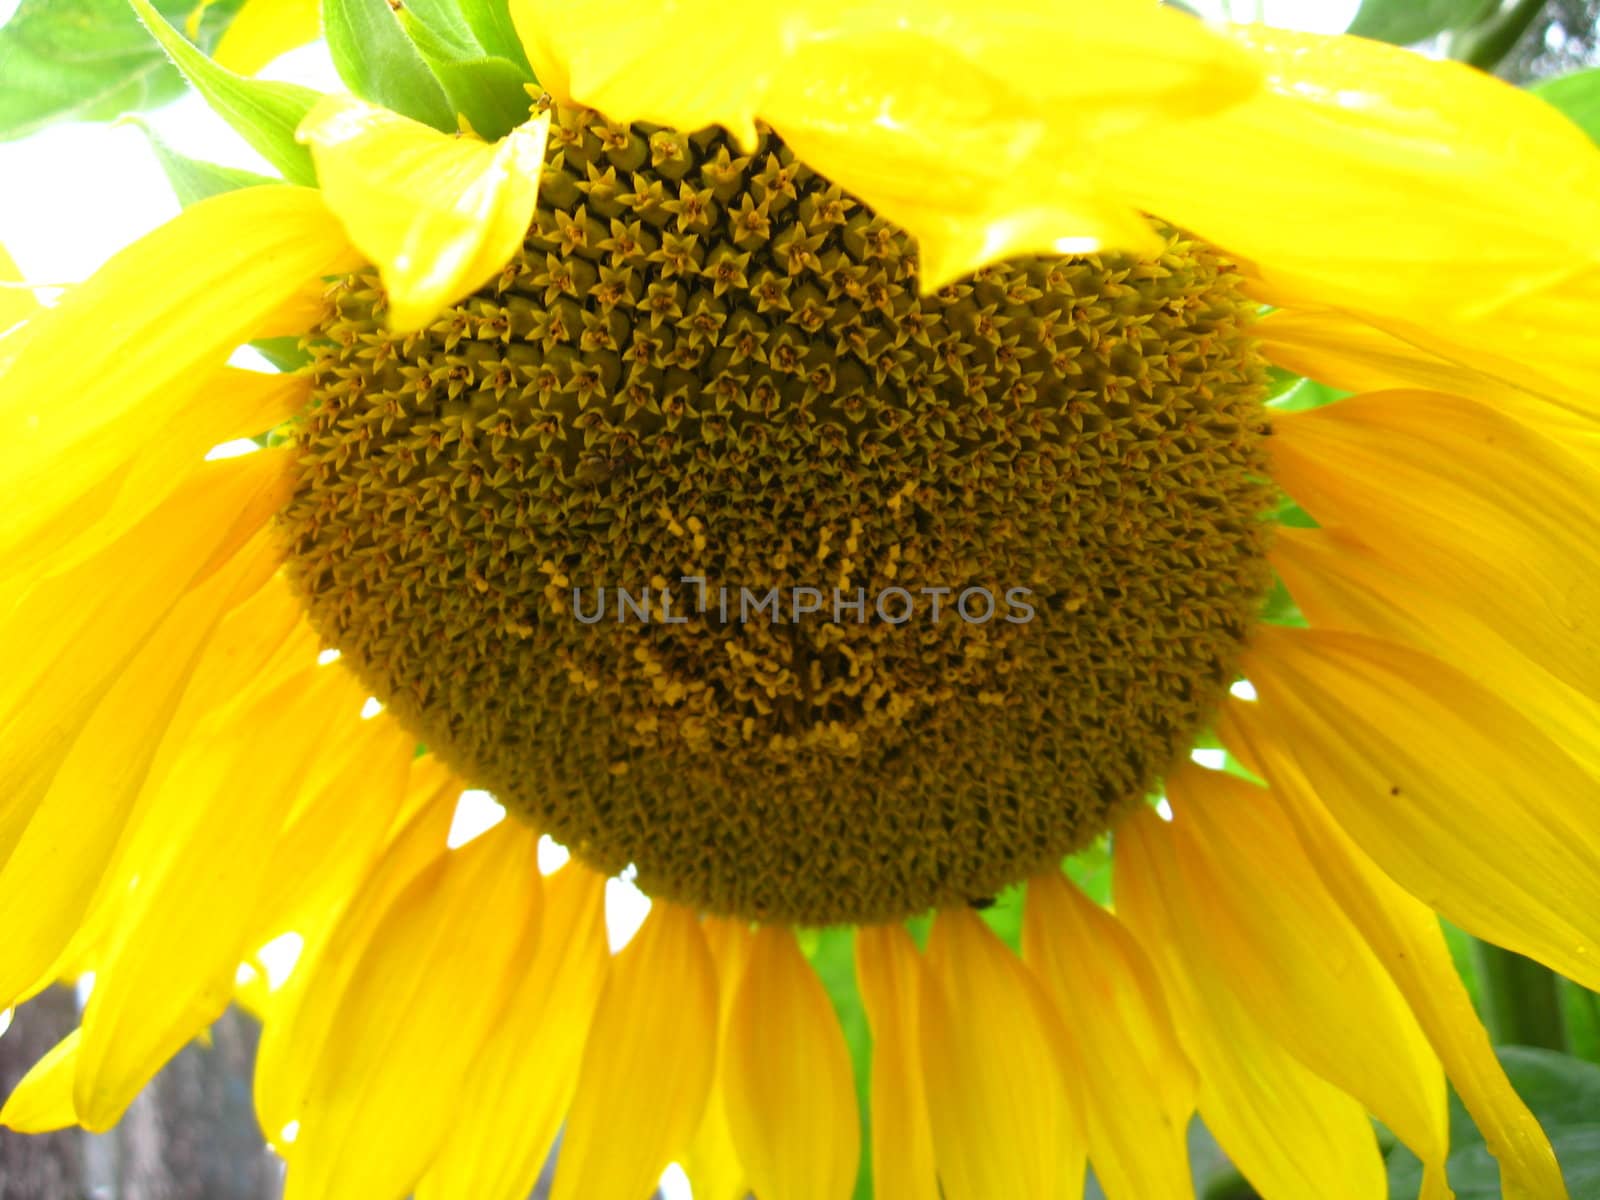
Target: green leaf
x=490 y=92
x=1563 y=1092
x=377 y=60
x=1577 y=95
x=490 y=22
x=88 y=60
x=1406 y=21
x=192 y=179
x=264 y=114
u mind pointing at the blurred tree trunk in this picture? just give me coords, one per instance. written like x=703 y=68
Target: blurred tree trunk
x=1565 y=38
x=190 y=1135
x=50 y=1166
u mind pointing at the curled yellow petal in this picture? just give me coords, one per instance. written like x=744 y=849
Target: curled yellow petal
x=1000 y=163
x=1405 y=934
x=1142 y=1086
x=42 y=1100
x=647 y=1066
x=789 y=1088
x=1460 y=202
x=439 y=214
x=889 y=974
x=264 y=29
x=1459 y=796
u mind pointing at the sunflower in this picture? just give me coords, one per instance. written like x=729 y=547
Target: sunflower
x=851 y=313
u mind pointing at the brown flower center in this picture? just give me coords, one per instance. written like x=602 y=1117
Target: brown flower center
x=900 y=598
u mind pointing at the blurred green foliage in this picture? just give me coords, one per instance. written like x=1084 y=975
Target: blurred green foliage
x=90 y=60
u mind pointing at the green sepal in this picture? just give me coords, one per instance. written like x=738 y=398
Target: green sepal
x=282 y=352
x=490 y=22
x=1578 y=96
x=445 y=19
x=192 y=179
x=377 y=61
x=264 y=114
x=88 y=60
x=491 y=92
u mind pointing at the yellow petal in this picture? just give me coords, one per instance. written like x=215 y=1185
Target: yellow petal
x=42 y=1100
x=124 y=351
x=711 y=1161
x=325 y=850
x=64 y=527
x=890 y=978
x=49 y=878
x=790 y=1091
x=992 y=1069
x=1292 y=1135
x=1560 y=373
x=1450 y=789
x=197 y=868
x=1294 y=960
x=256 y=649
x=538 y=24
x=1345 y=352
x=418 y=1007
x=1142 y=1087
x=518 y=1090
x=70 y=635
x=1404 y=933
x=17 y=303
x=657 y=62
x=12 y=341
x=647 y=1065
x=1339 y=583
x=264 y=29
x=440 y=214
x=303 y=1010
x=1002 y=164
x=1461 y=202
x=1466 y=500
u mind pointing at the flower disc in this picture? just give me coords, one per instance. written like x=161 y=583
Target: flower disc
x=717 y=367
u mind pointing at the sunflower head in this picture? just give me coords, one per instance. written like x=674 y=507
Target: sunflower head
x=713 y=546
x=819 y=467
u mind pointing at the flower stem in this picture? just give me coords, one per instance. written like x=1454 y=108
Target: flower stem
x=1521 y=999
x=1487 y=43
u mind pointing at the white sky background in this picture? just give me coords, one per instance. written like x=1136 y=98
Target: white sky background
x=72 y=195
